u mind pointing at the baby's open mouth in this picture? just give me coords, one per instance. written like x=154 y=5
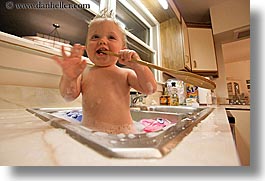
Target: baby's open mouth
x=101 y=51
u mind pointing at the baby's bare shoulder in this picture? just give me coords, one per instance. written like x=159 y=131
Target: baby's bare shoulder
x=127 y=71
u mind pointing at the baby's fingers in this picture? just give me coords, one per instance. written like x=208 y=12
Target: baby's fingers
x=127 y=55
x=77 y=50
x=57 y=60
x=81 y=50
x=63 y=53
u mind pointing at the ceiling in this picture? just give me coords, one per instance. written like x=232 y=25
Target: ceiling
x=193 y=12
x=28 y=22
x=157 y=11
x=196 y=11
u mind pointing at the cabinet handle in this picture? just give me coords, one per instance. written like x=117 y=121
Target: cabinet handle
x=194 y=64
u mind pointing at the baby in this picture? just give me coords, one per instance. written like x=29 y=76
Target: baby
x=105 y=87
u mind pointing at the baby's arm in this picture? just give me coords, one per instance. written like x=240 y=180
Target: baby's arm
x=72 y=67
x=141 y=79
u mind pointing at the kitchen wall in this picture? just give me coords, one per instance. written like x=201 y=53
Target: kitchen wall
x=227 y=18
x=239 y=71
x=237 y=63
x=221 y=88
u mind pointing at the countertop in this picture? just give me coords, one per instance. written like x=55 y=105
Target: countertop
x=27 y=140
x=236 y=107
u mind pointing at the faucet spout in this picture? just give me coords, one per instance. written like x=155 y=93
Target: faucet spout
x=136 y=98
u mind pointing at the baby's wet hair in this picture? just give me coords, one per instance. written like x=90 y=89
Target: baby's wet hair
x=105 y=14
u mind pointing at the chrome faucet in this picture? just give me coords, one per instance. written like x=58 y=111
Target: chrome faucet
x=136 y=98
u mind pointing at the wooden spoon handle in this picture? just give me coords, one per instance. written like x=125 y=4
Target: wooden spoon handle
x=187 y=77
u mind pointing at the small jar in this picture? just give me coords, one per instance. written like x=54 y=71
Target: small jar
x=174 y=100
x=163 y=100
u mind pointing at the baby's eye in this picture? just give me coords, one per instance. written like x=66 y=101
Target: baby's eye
x=95 y=37
x=112 y=37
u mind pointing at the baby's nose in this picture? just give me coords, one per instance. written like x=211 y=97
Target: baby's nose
x=102 y=41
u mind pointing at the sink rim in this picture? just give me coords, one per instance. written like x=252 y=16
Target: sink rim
x=126 y=148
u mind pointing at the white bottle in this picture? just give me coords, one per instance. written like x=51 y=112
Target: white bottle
x=174 y=99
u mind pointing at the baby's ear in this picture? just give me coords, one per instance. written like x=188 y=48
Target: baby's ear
x=124 y=45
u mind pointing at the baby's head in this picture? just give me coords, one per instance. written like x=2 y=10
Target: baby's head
x=104 y=33
x=109 y=16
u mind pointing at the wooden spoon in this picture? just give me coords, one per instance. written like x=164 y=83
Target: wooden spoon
x=187 y=77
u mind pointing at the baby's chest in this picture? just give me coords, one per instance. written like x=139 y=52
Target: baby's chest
x=105 y=86
x=99 y=95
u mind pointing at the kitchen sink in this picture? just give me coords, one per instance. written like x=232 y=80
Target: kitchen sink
x=141 y=145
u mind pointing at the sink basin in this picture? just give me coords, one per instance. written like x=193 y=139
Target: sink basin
x=143 y=114
x=141 y=145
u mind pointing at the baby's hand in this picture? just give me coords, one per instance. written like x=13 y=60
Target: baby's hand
x=72 y=65
x=127 y=55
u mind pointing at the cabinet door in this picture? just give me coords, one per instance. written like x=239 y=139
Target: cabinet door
x=186 y=48
x=202 y=50
x=171 y=44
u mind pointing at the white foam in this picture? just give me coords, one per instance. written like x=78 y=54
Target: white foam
x=138 y=126
x=121 y=135
x=113 y=141
x=131 y=136
x=152 y=134
x=101 y=133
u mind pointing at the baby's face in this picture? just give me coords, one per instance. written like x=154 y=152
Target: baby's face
x=104 y=35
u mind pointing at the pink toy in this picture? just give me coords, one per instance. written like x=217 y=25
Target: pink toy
x=152 y=125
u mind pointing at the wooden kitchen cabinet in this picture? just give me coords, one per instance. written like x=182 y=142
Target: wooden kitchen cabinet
x=172 y=44
x=202 y=51
x=186 y=48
